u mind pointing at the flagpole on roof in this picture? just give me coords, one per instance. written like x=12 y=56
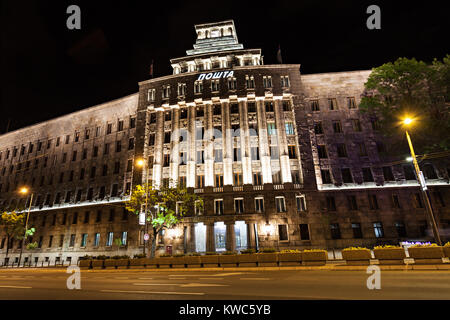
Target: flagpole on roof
x=279 y=58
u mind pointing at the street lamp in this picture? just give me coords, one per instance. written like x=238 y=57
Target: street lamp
x=408 y=121
x=144 y=165
x=25 y=191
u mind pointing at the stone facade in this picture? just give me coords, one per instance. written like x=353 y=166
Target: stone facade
x=281 y=160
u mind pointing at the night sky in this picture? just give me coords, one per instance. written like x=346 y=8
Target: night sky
x=48 y=70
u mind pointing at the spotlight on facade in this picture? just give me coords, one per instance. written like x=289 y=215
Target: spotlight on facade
x=409 y=159
x=268 y=229
x=24 y=190
x=140 y=163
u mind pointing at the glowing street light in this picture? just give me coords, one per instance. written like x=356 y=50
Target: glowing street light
x=407 y=121
x=141 y=163
x=25 y=191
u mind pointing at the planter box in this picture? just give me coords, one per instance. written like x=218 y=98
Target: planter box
x=357 y=257
x=122 y=263
x=431 y=255
x=209 y=261
x=193 y=261
x=110 y=263
x=142 y=263
x=314 y=258
x=85 y=264
x=228 y=260
x=447 y=251
x=390 y=256
x=164 y=262
x=178 y=262
x=267 y=259
x=247 y=260
x=289 y=259
x=97 y=264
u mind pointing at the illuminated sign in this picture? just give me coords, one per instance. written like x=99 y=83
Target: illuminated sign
x=215 y=75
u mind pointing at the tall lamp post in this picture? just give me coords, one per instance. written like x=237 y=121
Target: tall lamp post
x=419 y=174
x=144 y=165
x=25 y=190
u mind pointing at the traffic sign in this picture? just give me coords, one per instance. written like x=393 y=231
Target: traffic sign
x=146 y=237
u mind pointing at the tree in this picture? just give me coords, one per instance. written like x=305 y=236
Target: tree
x=414 y=88
x=13 y=225
x=165 y=207
x=31 y=246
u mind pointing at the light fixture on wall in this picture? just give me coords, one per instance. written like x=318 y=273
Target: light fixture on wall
x=174 y=233
x=268 y=229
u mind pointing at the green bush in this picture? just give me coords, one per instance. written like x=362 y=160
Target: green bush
x=210 y=253
x=101 y=257
x=178 y=255
x=248 y=251
x=228 y=253
x=165 y=255
x=290 y=251
x=268 y=250
x=194 y=254
x=139 y=256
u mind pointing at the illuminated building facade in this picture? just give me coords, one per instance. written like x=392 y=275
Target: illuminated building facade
x=281 y=160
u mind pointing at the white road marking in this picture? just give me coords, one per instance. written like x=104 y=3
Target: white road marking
x=157 y=292
x=15 y=287
x=145 y=278
x=210 y=278
x=254 y=279
x=191 y=285
x=226 y=274
x=121 y=278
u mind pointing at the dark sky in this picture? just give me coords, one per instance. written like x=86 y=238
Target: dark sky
x=48 y=70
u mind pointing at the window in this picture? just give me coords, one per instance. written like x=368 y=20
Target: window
x=326 y=176
x=109 y=239
x=315 y=105
x=271 y=129
x=346 y=175
x=237 y=179
x=378 y=229
x=417 y=200
x=367 y=175
x=356 y=125
x=362 y=151
x=322 y=151
x=83 y=240
x=351 y=103
x=285 y=81
x=151 y=95
x=198 y=87
x=219 y=180
x=74 y=156
x=401 y=229
x=166 y=92
x=267 y=81
x=335 y=231
x=215 y=85
x=259 y=204
x=129 y=165
x=167 y=137
x=254 y=153
x=295 y=176
x=200 y=157
x=357 y=231
x=373 y=202
x=218 y=206
x=199 y=133
x=282 y=232
x=50 y=241
x=304 y=232
x=200 y=112
x=409 y=172
x=250 y=82
x=395 y=202
x=61 y=240
x=352 y=203
x=332 y=103
x=111 y=215
x=131 y=144
x=114 y=190
x=96 y=239
x=181 y=91
x=301 y=202
x=95 y=152
x=124 y=238
x=232 y=84
x=274 y=154
x=109 y=128
x=387 y=173
x=218 y=155
x=118 y=146
x=289 y=128
x=132 y=123
x=236 y=154
x=257 y=179
x=331 y=204
x=318 y=128
x=341 y=150
x=72 y=240
x=429 y=171
x=269 y=106
x=239 y=205
x=280 y=204
x=120 y=125
x=337 y=127
x=200 y=181
x=286 y=105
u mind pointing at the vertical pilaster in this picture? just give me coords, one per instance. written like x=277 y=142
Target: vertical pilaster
x=209 y=146
x=282 y=141
x=210 y=241
x=190 y=168
x=251 y=241
x=245 y=143
x=175 y=147
x=227 y=141
x=266 y=169
x=159 y=149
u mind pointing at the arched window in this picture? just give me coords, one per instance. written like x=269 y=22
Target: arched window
x=230 y=31
x=221 y=32
x=206 y=34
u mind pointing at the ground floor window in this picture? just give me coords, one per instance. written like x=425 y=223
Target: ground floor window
x=241 y=232
x=200 y=237
x=220 y=236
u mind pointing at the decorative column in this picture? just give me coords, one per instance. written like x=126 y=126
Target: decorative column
x=209 y=145
x=210 y=241
x=230 y=236
x=175 y=147
x=227 y=141
x=190 y=245
x=266 y=169
x=190 y=168
x=282 y=141
x=251 y=241
x=159 y=148
x=245 y=142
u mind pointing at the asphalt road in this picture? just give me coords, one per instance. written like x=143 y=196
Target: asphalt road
x=257 y=285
